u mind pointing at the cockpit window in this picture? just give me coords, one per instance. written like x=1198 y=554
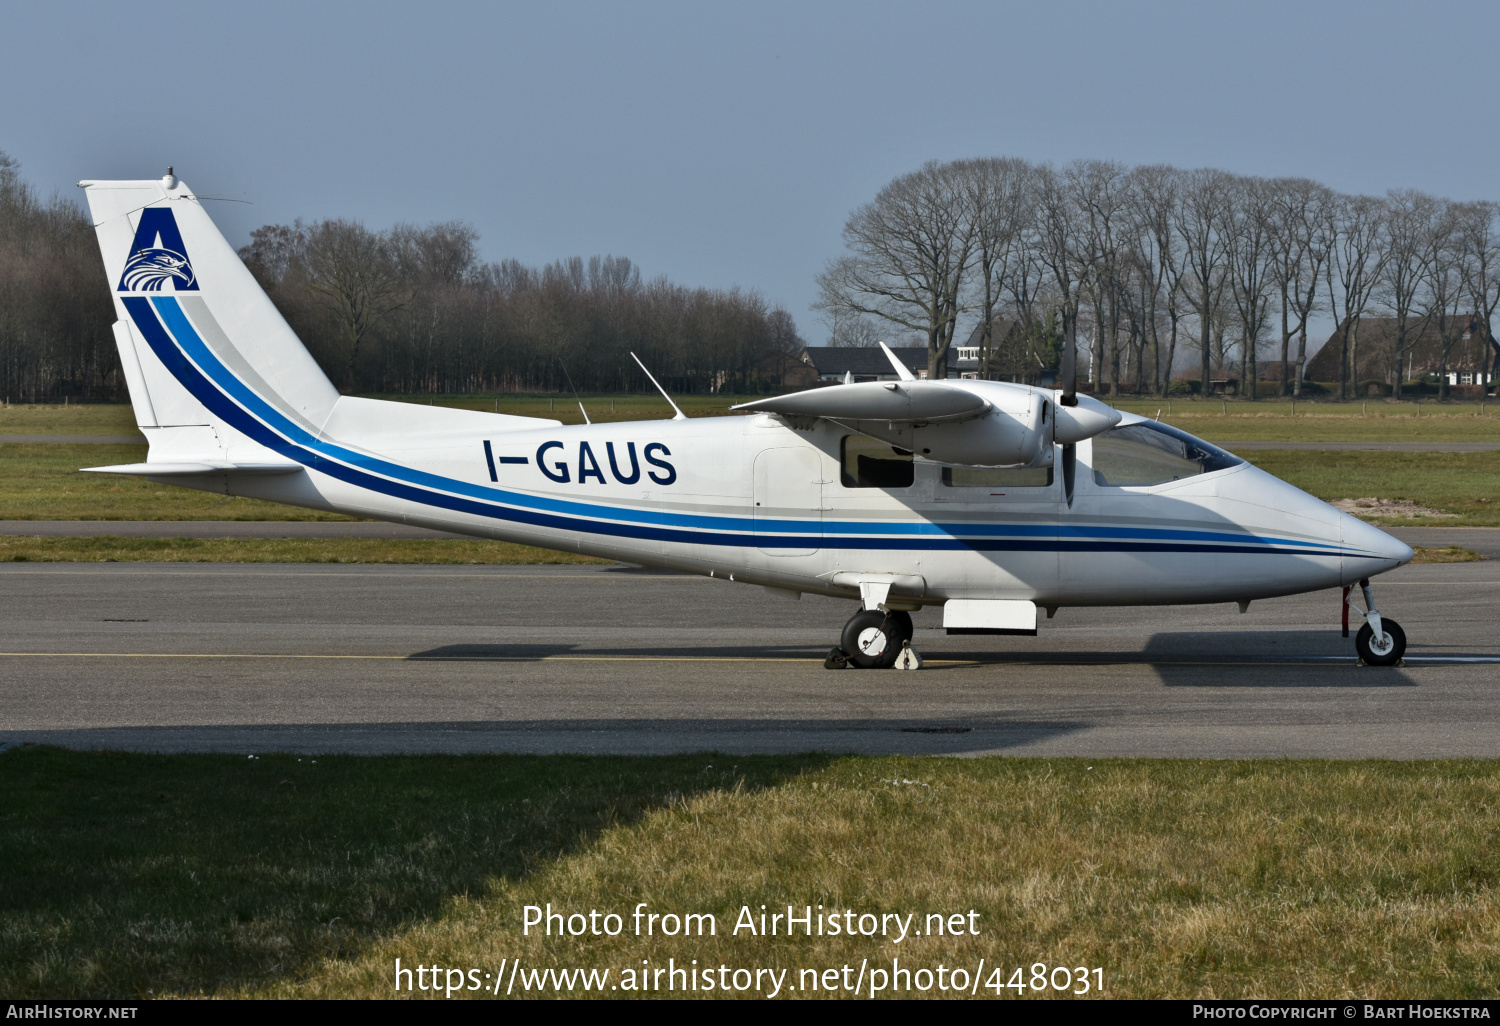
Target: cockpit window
x=1149 y=453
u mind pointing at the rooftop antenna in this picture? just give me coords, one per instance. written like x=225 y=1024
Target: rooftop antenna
x=663 y=391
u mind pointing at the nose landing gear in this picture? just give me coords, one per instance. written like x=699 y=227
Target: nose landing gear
x=1381 y=641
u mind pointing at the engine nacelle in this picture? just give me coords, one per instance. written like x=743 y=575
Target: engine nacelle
x=1089 y=418
x=1016 y=431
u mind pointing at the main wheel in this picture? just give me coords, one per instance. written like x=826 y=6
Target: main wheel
x=1386 y=650
x=873 y=638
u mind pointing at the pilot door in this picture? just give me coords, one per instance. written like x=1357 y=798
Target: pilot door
x=789 y=501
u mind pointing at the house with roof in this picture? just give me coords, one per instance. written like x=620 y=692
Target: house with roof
x=866 y=363
x=1470 y=360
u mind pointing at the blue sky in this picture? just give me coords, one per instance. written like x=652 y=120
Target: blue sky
x=724 y=144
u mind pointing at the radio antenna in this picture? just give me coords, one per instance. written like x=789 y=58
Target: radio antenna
x=577 y=398
x=663 y=391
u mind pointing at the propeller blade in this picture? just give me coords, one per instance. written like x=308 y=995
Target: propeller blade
x=1068 y=372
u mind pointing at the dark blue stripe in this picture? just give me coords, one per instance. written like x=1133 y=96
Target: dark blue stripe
x=296 y=444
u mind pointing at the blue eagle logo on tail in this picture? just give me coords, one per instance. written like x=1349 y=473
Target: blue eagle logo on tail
x=157 y=256
x=149 y=269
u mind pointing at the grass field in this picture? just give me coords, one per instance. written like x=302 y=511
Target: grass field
x=1329 y=422
x=1466 y=483
x=41 y=482
x=132 y=874
x=109 y=549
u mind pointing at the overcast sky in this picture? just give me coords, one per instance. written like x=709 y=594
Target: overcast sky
x=724 y=144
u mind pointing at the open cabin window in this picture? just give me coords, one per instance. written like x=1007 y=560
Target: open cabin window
x=1150 y=453
x=1002 y=479
x=870 y=463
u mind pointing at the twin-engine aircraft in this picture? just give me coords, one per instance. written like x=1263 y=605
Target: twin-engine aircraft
x=992 y=500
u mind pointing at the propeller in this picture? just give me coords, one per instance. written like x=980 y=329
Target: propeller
x=1068 y=372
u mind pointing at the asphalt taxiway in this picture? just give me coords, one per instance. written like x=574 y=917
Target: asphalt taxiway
x=321 y=658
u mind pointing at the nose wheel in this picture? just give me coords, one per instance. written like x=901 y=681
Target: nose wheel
x=873 y=638
x=1381 y=641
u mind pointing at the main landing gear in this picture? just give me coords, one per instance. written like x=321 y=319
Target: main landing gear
x=873 y=639
x=1381 y=641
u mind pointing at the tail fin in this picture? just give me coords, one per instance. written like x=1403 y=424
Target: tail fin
x=178 y=284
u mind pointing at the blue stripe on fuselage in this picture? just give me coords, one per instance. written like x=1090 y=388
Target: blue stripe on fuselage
x=209 y=381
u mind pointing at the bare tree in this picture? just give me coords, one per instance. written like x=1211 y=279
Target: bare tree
x=1060 y=247
x=1203 y=222
x=1414 y=240
x=846 y=327
x=1480 y=229
x=1250 y=263
x=1154 y=191
x=1354 y=269
x=910 y=251
x=1299 y=249
x=1448 y=288
x=357 y=274
x=1101 y=197
x=998 y=191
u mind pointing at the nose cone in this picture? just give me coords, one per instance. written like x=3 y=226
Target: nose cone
x=1368 y=550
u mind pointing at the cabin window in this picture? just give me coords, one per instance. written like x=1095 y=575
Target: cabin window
x=1150 y=453
x=1002 y=479
x=870 y=463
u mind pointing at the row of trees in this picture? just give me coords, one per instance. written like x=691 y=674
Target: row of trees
x=405 y=310
x=413 y=310
x=1154 y=261
x=55 y=311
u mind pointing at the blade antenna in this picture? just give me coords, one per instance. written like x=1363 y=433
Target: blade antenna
x=663 y=391
x=576 y=397
x=902 y=370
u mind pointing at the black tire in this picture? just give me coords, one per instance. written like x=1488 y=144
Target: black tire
x=881 y=633
x=1392 y=630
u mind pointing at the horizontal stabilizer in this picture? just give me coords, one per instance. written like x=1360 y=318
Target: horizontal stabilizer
x=894 y=401
x=194 y=469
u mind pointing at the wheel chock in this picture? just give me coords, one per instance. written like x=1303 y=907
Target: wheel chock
x=837 y=659
x=908 y=659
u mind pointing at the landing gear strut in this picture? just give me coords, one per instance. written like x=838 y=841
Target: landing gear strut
x=1381 y=641
x=873 y=638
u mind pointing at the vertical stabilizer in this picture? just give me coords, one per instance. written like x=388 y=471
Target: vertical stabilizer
x=175 y=277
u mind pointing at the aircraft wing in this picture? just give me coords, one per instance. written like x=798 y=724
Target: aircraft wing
x=932 y=402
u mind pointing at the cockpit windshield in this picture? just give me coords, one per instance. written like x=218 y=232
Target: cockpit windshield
x=1149 y=452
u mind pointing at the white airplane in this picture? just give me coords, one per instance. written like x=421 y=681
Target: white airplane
x=987 y=498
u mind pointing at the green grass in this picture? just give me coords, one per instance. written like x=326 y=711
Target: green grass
x=73 y=419
x=1373 y=421
x=1466 y=483
x=129 y=874
x=110 y=549
x=41 y=482
x=1446 y=554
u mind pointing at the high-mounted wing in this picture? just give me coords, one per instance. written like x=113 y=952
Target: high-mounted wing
x=903 y=402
